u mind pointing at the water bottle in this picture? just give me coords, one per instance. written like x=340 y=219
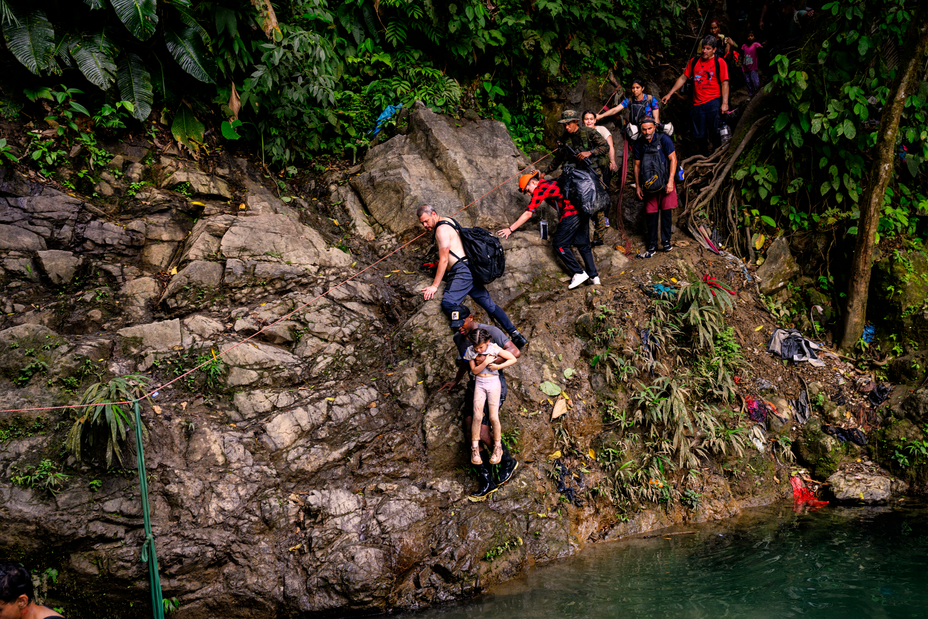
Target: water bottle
x=681 y=175
x=725 y=132
x=544 y=230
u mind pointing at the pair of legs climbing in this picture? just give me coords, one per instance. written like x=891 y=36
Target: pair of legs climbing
x=487 y=391
x=574 y=230
x=488 y=482
x=459 y=283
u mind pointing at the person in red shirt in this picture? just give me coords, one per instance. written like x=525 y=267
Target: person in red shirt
x=573 y=227
x=710 y=94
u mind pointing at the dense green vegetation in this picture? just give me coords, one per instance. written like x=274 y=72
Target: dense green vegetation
x=302 y=77
x=810 y=167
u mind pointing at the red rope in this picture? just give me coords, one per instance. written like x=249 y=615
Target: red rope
x=285 y=317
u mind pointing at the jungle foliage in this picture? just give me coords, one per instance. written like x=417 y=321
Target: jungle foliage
x=808 y=172
x=311 y=76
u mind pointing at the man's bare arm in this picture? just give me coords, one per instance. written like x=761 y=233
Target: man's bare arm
x=443 y=240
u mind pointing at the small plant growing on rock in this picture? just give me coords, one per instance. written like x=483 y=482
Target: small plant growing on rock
x=45 y=476
x=107 y=417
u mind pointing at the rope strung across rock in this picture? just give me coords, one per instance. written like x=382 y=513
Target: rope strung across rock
x=148 y=554
x=286 y=316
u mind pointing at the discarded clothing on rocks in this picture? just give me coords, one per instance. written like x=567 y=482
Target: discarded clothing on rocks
x=879 y=395
x=846 y=434
x=801 y=407
x=791 y=344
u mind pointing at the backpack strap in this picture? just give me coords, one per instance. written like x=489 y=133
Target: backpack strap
x=718 y=73
x=454 y=224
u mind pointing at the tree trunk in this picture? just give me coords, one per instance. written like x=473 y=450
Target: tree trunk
x=881 y=172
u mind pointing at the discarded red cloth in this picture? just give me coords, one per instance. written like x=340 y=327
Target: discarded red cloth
x=802 y=497
x=714 y=283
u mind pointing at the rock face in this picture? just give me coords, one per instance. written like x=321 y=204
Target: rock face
x=445 y=163
x=851 y=487
x=313 y=464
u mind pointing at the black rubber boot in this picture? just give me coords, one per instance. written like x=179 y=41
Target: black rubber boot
x=486 y=486
x=507 y=467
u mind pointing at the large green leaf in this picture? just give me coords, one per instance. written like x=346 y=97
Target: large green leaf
x=139 y=16
x=135 y=85
x=95 y=63
x=187 y=129
x=32 y=40
x=188 y=50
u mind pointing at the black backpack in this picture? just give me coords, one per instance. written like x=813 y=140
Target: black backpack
x=636 y=109
x=654 y=167
x=584 y=188
x=484 y=252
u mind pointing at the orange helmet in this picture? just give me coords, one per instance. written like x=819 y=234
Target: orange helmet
x=525 y=178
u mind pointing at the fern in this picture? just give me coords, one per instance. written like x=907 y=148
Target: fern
x=396 y=33
x=31 y=39
x=135 y=85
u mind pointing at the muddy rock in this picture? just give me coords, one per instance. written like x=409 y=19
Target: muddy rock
x=819 y=451
x=779 y=267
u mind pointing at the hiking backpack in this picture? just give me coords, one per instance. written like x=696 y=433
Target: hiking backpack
x=484 y=252
x=637 y=109
x=654 y=167
x=584 y=188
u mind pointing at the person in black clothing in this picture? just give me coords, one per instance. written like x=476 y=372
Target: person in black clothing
x=591 y=147
x=463 y=323
x=17 y=595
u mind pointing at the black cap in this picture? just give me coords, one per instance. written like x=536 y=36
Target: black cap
x=458 y=315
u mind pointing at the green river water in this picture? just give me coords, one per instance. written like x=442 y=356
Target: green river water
x=770 y=562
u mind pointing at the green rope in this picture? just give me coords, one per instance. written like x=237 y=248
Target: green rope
x=148 y=546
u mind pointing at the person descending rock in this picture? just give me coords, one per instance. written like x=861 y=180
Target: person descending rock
x=589 y=120
x=590 y=146
x=464 y=324
x=17 y=595
x=710 y=94
x=655 y=168
x=486 y=360
x=573 y=227
x=452 y=267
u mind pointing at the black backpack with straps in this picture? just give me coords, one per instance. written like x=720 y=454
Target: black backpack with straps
x=655 y=167
x=484 y=252
x=637 y=110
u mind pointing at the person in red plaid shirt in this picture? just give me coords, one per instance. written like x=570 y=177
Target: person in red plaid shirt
x=573 y=227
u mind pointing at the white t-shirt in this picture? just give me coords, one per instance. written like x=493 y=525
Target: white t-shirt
x=492 y=351
x=603 y=132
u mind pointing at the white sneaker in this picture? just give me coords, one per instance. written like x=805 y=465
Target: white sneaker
x=596 y=281
x=578 y=279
